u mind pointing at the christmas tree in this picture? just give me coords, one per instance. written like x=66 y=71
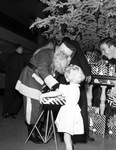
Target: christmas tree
x=86 y=21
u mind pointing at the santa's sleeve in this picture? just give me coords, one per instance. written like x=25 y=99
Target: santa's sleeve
x=44 y=68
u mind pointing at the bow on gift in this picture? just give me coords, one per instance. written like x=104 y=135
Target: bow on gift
x=94 y=115
x=93 y=110
x=96 y=118
x=112 y=122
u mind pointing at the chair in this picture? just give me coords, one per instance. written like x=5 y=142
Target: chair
x=50 y=129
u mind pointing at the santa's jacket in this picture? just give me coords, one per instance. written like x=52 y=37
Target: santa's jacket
x=31 y=80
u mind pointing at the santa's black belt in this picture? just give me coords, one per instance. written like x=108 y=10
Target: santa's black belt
x=33 y=67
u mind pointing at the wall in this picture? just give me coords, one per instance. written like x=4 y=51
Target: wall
x=7 y=41
x=15 y=38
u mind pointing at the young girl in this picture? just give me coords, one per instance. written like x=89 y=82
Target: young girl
x=69 y=119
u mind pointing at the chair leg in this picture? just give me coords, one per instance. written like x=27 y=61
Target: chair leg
x=33 y=131
x=32 y=135
x=54 y=130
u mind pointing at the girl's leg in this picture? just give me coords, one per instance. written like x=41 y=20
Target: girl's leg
x=68 y=141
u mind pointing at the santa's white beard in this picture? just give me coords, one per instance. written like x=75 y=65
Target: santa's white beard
x=60 y=63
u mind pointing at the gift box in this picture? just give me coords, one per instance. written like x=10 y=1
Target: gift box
x=93 y=110
x=111 y=102
x=94 y=69
x=97 y=121
x=52 y=98
x=111 y=125
x=99 y=124
x=111 y=69
x=91 y=57
x=111 y=97
x=102 y=67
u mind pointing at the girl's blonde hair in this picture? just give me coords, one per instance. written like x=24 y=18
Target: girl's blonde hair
x=72 y=73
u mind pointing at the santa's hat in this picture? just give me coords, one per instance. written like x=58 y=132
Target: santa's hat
x=68 y=48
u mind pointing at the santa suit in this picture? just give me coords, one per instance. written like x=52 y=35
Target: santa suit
x=31 y=81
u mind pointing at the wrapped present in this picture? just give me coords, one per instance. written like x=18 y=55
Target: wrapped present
x=111 y=125
x=91 y=57
x=111 y=69
x=93 y=110
x=99 y=124
x=102 y=67
x=111 y=97
x=111 y=102
x=94 y=69
x=97 y=121
x=52 y=98
x=58 y=100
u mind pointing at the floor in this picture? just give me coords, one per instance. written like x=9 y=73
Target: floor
x=13 y=135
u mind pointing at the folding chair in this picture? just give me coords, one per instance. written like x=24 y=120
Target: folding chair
x=50 y=131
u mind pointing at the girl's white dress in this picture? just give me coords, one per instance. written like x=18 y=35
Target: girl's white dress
x=69 y=118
